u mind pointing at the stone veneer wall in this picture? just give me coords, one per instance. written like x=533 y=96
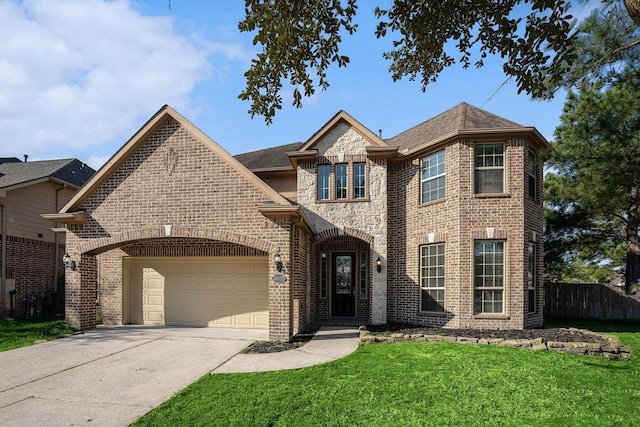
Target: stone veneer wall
x=172 y=178
x=459 y=220
x=344 y=145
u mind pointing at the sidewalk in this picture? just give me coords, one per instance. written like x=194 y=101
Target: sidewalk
x=328 y=344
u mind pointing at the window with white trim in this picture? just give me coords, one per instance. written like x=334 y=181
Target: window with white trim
x=488 y=284
x=359 y=180
x=433 y=177
x=432 y=277
x=531 y=172
x=489 y=168
x=531 y=277
x=324 y=172
x=341 y=181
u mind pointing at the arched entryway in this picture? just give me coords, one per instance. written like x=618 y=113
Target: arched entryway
x=342 y=278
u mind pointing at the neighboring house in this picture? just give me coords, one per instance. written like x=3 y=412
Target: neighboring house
x=30 y=251
x=440 y=225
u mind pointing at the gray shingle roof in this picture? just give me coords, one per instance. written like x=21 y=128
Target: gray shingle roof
x=71 y=171
x=274 y=157
x=461 y=117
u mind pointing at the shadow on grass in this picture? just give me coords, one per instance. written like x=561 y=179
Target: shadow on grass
x=595 y=325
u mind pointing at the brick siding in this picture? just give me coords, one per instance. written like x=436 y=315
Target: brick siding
x=31 y=263
x=175 y=179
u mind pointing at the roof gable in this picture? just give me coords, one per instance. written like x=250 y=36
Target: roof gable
x=343 y=117
x=462 y=117
x=139 y=138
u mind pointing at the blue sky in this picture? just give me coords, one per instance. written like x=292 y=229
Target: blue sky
x=79 y=77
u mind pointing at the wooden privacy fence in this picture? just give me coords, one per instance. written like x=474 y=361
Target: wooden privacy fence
x=588 y=300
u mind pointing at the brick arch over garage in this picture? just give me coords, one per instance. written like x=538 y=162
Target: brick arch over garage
x=335 y=232
x=104 y=244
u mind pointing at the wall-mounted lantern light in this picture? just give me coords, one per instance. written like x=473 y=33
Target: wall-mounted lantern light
x=71 y=265
x=379 y=265
x=277 y=259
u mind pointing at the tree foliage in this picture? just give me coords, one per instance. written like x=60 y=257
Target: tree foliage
x=296 y=37
x=592 y=188
x=539 y=44
x=605 y=43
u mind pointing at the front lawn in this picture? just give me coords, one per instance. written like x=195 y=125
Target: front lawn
x=24 y=332
x=423 y=384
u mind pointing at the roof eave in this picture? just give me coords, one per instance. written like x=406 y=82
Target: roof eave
x=273 y=169
x=382 y=152
x=297 y=156
x=78 y=217
x=295 y=213
x=540 y=141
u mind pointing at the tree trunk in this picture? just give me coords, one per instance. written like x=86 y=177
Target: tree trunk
x=632 y=272
x=633 y=7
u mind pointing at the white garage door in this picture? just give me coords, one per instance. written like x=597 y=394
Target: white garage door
x=230 y=292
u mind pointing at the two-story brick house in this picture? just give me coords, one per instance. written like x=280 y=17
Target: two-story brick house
x=440 y=225
x=31 y=270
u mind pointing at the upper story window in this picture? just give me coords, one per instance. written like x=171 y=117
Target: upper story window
x=433 y=177
x=531 y=172
x=323 y=181
x=341 y=181
x=489 y=168
x=359 y=180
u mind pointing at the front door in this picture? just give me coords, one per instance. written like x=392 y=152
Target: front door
x=343 y=291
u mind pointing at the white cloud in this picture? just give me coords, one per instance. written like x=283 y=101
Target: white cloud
x=81 y=73
x=96 y=162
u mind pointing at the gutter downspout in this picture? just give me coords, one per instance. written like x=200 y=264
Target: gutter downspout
x=56 y=240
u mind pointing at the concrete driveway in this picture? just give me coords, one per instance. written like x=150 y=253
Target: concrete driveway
x=111 y=375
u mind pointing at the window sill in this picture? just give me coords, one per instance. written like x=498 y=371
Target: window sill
x=432 y=314
x=343 y=201
x=491 y=195
x=497 y=316
x=535 y=200
x=433 y=202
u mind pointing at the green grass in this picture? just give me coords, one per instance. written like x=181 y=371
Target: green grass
x=24 y=332
x=415 y=384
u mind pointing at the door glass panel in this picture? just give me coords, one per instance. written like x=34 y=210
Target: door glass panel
x=343 y=274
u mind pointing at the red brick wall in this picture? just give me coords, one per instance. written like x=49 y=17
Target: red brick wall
x=458 y=220
x=173 y=178
x=32 y=264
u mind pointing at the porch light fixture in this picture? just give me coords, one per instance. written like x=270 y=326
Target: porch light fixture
x=379 y=265
x=277 y=259
x=66 y=259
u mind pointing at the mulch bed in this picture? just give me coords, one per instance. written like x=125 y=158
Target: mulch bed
x=548 y=334
x=277 y=346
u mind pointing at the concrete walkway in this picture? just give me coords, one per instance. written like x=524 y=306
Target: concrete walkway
x=110 y=376
x=328 y=344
